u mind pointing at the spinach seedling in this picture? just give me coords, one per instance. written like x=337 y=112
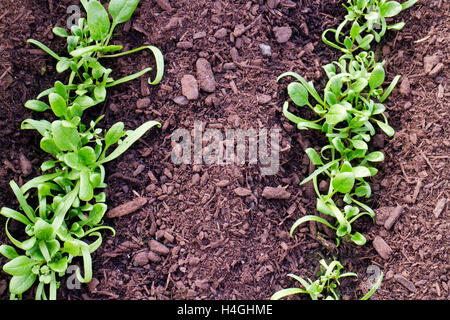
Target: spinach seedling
x=347 y=112
x=71 y=203
x=325 y=286
x=365 y=21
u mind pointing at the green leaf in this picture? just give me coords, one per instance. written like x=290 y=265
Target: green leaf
x=132 y=137
x=59 y=266
x=87 y=261
x=313 y=156
x=86 y=190
x=343 y=182
x=408 y=4
x=397 y=26
x=307 y=219
x=359 y=144
x=72 y=247
x=60 y=32
x=63 y=65
x=84 y=101
x=359 y=85
x=331 y=98
x=20 y=284
x=363 y=191
x=58 y=104
x=100 y=93
x=114 y=134
x=48 y=145
x=98 y=20
x=97 y=213
x=44 y=48
x=391 y=87
x=354 y=31
x=22 y=201
x=64 y=206
x=336 y=114
x=8 y=252
x=321 y=206
x=122 y=10
x=377 y=77
x=386 y=128
x=378 y=108
x=53 y=247
x=308 y=85
x=286 y=292
x=36 y=105
x=34 y=183
x=83 y=50
x=318 y=171
x=87 y=155
x=346 y=167
x=298 y=93
x=19 y=266
x=375 y=156
x=42 y=126
x=361 y=172
x=9 y=213
x=358 y=239
x=43 y=230
x=336 y=84
x=66 y=137
x=159 y=59
x=390 y=9
x=365 y=42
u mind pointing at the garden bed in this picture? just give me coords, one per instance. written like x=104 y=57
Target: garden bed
x=225 y=243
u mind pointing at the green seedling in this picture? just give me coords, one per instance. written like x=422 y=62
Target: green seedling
x=326 y=286
x=365 y=21
x=347 y=112
x=350 y=107
x=70 y=200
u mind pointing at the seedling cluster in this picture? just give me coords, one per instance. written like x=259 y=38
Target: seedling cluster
x=70 y=203
x=348 y=112
x=326 y=286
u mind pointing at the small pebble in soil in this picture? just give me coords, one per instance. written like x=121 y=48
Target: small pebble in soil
x=282 y=34
x=189 y=87
x=205 y=75
x=185 y=45
x=266 y=50
x=141 y=259
x=263 y=98
x=242 y=192
x=158 y=247
x=181 y=100
x=221 y=33
x=382 y=247
x=276 y=193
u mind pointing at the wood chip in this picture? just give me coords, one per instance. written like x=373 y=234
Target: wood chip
x=393 y=217
x=405 y=282
x=25 y=165
x=158 y=247
x=439 y=207
x=242 y=192
x=276 y=193
x=127 y=208
x=382 y=247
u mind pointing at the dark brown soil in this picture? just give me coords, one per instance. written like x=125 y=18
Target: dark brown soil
x=221 y=245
